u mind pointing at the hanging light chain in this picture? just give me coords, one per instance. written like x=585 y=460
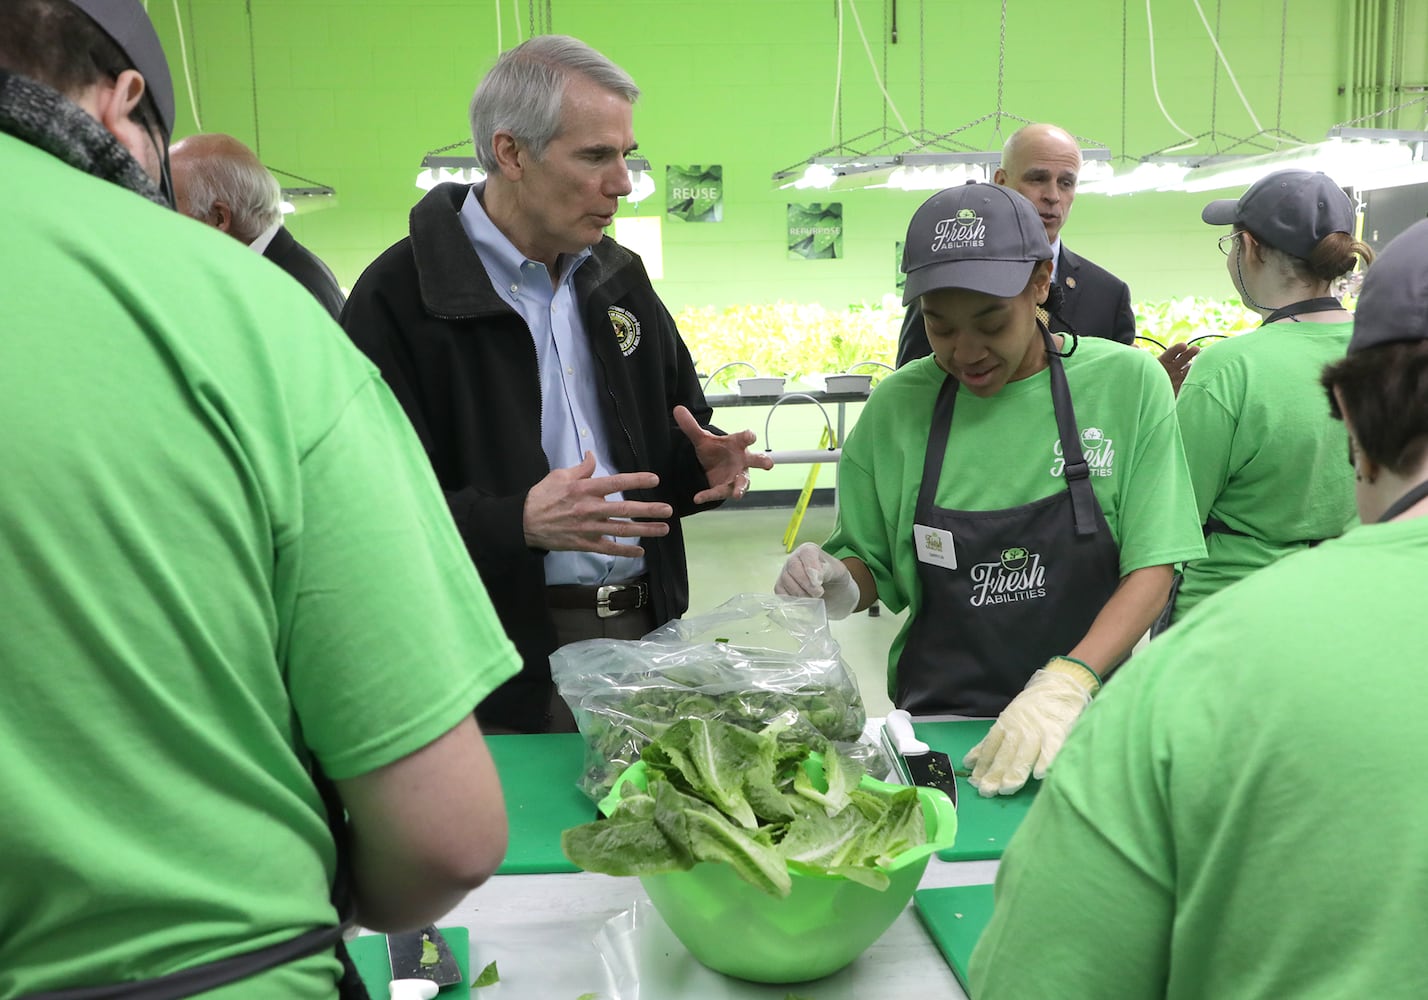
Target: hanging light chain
x=1125 y=20
x=1001 y=69
x=253 y=77
x=922 y=64
x=1215 y=74
x=1283 y=42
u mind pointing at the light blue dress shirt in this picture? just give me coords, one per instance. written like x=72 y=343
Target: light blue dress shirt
x=1055 y=257
x=570 y=422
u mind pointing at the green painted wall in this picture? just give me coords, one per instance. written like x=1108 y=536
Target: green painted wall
x=353 y=93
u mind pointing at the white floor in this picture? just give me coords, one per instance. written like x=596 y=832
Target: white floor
x=735 y=550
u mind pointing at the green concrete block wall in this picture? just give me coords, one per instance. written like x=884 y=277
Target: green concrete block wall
x=353 y=93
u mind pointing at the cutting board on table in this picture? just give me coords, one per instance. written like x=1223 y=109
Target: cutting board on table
x=538 y=775
x=984 y=825
x=955 y=916
x=369 y=956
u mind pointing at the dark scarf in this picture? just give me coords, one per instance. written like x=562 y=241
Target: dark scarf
x=43 y=117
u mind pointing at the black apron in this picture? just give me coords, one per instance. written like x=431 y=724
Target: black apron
x=1024 y=583
x=211 y=975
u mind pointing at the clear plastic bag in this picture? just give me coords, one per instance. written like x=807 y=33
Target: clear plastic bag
x=756 y=659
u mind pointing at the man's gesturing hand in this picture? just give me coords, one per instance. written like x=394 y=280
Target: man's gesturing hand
x=726 y=458
x=567 y=511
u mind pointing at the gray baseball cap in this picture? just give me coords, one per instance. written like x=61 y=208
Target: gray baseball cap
x=979 y=236
x=126 y=22
x=1291 y=210
x=1393 y=305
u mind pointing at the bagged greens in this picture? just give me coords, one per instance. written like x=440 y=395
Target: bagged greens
x=754 y=660
x=717 y=792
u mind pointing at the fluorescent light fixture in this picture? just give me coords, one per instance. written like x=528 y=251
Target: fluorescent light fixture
x=1349 y=163
x=912 y=171
x=437 y=169
x=302 y=200
x=1363 y=159
x=642 y=183
x=1147 y=175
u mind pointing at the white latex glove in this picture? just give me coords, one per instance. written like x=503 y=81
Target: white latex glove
x=1029 y=733
x=412 y=989
x=811 y=572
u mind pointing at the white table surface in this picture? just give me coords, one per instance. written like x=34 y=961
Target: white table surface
x=542 y=932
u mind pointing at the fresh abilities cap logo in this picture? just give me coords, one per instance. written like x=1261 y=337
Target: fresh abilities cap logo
x=1015 y=575
x=967 y=230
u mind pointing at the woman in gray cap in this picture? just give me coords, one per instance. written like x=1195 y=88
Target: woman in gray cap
x=1240 y=815
x=1264 y=455
x=1031 y=542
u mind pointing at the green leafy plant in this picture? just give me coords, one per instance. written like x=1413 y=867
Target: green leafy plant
x=715 y=792
x=790 y=339
x=1176 y=321
x=797 y=339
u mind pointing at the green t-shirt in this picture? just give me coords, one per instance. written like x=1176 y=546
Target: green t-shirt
x=1240 y=813
x=1004 y=451
x=221 y=542
x=1265 y=455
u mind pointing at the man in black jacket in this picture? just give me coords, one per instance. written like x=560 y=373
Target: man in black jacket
x=221 y=182
x=1043 y=162
x=556 y=400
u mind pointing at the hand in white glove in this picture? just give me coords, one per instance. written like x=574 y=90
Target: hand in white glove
x=811 y=572
x=1030 y=731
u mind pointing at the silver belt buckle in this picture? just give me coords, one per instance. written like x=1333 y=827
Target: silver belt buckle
x=602 y=600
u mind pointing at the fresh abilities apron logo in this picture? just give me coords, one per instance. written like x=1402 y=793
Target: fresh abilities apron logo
x=1016 y=575
x=627 y=329
x=1099 y=450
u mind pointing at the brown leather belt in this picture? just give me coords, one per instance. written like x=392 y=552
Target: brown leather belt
x=607 y=600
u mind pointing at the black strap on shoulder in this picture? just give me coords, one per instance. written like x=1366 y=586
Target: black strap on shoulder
x=1075 y=469
x=937 y=441
x=1321 y=304
x=1404 y=502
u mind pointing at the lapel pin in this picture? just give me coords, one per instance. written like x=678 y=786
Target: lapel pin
x=1070 y=282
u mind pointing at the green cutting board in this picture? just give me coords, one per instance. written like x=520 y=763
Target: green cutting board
x=538 y=775
x=955 y=916
x=369 y=955
x=984 y=825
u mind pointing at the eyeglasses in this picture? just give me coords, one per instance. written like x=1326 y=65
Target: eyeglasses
x=1227 y=241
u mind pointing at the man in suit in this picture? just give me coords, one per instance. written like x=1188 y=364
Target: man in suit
x=220 y=181
x=1043 y=162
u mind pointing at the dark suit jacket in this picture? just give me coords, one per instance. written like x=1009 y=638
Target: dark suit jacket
x=1095 y=303
x=307 y=268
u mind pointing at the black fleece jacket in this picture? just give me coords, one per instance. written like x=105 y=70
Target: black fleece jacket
x=463 y=365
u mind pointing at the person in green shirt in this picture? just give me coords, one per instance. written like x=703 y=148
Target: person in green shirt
x=241 y=641
x=1265 y=456
x=1239 y=815
x=1032 y=541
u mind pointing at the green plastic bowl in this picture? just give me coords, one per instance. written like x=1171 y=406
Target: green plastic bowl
x=821 y=926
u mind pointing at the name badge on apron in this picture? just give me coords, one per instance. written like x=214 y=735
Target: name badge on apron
x=934 y=546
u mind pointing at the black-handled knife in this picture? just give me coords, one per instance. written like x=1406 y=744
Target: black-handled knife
x=423 y=954
x=918 y=763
